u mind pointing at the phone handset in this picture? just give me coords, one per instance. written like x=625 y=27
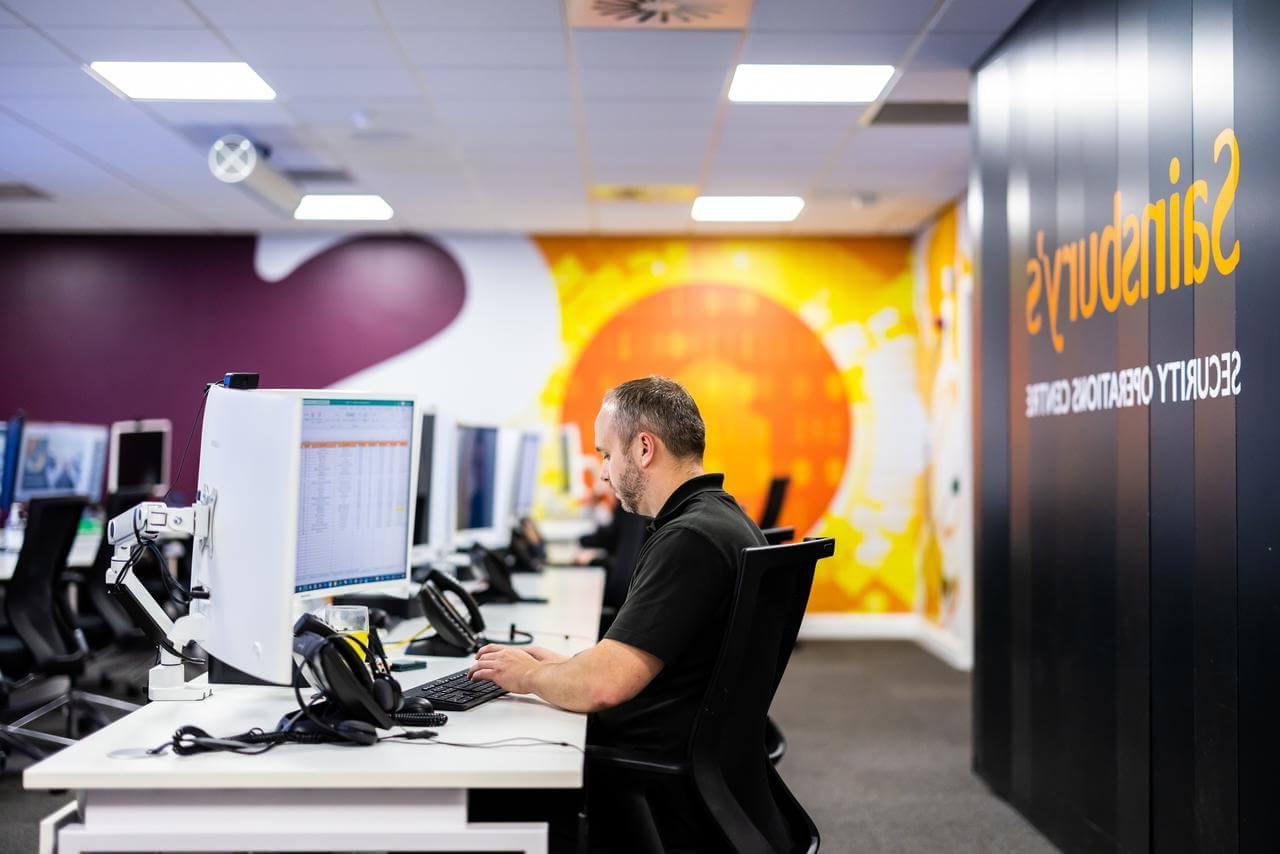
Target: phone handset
x=454 y=636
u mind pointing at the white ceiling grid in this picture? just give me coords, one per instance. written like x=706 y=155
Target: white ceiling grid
x=478 y=115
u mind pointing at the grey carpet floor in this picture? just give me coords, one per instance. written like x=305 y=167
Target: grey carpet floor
x=878 y=752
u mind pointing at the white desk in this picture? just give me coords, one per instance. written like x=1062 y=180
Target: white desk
x=390 y=797
x=84 y=549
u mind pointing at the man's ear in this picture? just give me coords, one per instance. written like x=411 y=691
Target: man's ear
x=648 y=448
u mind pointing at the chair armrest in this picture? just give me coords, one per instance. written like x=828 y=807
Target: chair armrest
x=71 y=576
x=622 y=760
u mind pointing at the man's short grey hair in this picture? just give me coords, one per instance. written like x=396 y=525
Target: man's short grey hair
x=660 y=406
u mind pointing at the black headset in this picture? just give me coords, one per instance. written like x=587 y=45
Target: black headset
x=355 y=701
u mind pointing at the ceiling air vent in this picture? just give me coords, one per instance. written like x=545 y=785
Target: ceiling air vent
x=905 y=113
x=21 y=193
x=660 y=14
x=644 y=193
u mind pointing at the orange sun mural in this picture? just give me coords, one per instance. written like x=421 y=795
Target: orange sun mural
x=766 y=414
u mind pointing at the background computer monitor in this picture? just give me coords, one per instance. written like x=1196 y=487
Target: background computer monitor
x=57 y=459
x=138 y=456
x=312 y=494
x=574 y=482
x=526 y=473
x=478 y=518
x=433 y=523
x=9 y=461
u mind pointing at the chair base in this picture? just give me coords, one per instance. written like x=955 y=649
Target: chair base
x=36 y=744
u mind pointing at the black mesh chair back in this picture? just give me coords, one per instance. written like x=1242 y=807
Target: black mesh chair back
x=119 y=625
x=747 y=800
x=773 y=502
x=38 y=613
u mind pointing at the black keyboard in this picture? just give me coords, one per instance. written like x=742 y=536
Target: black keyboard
x=456 y=693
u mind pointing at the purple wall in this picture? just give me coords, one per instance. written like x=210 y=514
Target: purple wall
x=101 y=329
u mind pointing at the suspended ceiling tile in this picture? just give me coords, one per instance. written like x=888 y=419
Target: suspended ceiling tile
x=640 y=85
x=674 y=172
x=643 y=218
x=27 y=47
x=939 y=86
x=471 y=15
x=952 y=50
x=487 y=48
x=658 y=115
x=231 y=113
x=503 y=112
x=826 y=47
x=351 y=113
x=339 y=83
x=496 y=84
x=49 y=81
x=142 y=45
x=901 y=16
x=307 y=48
x=656 y=50
x=123 y=14
x=825 y=119
x=982 y=15
x=290 y=14
x=725 y=180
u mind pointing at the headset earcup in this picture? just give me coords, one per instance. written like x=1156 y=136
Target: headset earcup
x=387 y=694
x=358 y=732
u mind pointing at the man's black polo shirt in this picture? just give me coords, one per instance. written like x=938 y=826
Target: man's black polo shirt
x=677 y=609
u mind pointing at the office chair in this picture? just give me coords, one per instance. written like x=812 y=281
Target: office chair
x=778 y=536
x=773 y=502
x=39 y=615
x=739 y=791
x=105 y=616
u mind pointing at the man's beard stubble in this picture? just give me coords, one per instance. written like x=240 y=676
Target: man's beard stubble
x=630 y=487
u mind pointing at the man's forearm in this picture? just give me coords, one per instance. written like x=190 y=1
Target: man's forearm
x=569 y=685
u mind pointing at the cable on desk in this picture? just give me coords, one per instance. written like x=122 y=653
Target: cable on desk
x=514 y=741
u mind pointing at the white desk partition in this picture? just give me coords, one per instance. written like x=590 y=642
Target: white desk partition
x=389 y=797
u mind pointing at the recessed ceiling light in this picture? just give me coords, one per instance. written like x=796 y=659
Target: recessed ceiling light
x=808 y=84
x=343 y=207
x=184 y=81
x=746 y=208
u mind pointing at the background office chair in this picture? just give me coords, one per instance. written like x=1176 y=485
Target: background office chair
x=40 y=616
x=778 y=536
x=621 y=539
x=103 y=619
x=773 y=502
x=740 y=792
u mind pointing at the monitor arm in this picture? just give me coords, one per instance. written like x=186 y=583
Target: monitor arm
x=132 y=528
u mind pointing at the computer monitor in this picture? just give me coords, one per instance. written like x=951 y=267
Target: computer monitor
x=478 y=518
x=312 y=494
x=432 y=520
x=574 y=481
x=526 y=474
x=9 y=461
x=58 y=459
x=138 y=456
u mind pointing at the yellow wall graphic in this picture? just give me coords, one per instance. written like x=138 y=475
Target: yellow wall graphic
x=801 y=353
x=943 y=291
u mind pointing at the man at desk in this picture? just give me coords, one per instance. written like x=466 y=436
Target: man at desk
x=644 y=681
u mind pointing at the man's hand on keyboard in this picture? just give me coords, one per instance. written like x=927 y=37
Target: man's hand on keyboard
x=509 y=667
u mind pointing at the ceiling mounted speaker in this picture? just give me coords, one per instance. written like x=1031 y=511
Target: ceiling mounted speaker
x=660 y=14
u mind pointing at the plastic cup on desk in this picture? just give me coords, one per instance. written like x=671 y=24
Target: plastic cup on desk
x=352 y=621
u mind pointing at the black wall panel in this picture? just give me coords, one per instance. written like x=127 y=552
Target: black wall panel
x=1128 y=587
